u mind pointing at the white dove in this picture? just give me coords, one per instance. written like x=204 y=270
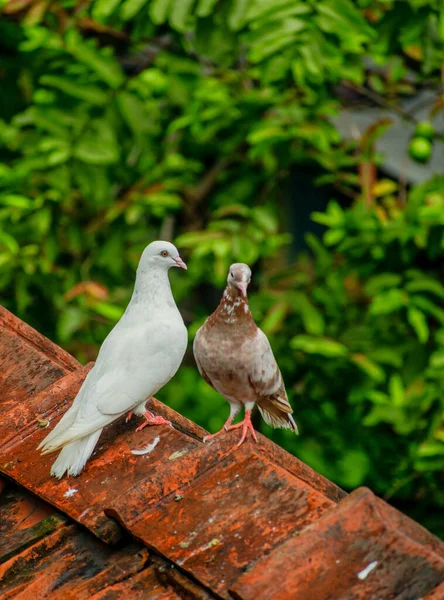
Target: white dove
x=138 y=357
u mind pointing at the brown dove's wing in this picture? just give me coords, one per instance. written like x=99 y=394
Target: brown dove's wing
x=267 y=382
x=196 y=358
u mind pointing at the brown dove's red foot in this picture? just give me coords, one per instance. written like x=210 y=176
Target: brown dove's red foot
x=225 y=428
x=246 y=425
x=151 y=419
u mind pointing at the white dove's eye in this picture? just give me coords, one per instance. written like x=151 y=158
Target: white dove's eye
x=164 y=253
x=231 y=274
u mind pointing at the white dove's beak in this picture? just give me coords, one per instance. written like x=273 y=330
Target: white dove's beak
x=242 y=286
x=180 y=263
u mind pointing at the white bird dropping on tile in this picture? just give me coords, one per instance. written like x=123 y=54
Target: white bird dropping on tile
x=235 y=357
x=70 y=492
x=368 y=569
x=139 y=356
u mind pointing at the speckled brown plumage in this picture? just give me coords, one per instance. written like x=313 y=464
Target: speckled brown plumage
x=234 y=356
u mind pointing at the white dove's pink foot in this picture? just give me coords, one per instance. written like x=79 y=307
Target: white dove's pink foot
x=151 y=419
x=246 y=425
x=128 y=416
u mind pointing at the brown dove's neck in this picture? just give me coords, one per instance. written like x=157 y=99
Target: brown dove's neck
x=233 y=309
x=152 y=289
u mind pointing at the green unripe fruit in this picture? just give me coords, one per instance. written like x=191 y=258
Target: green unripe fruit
x=425 y=129
x=420 y=149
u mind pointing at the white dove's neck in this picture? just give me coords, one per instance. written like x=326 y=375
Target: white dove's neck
x=152 y=288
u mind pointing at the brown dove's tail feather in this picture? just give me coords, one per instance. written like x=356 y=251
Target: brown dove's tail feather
x=276 y=418
x=73 y=456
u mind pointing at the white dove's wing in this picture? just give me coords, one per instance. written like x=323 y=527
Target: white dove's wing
x=148 y=363
x=133 y=364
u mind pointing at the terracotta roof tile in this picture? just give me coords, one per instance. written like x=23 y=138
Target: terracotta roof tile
x=358 y=550
x=214 y=526
x=29 y=361
x=61 y=561
x=219 y=521
x=24 y=519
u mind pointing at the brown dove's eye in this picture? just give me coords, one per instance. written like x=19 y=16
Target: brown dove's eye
x=164 y=253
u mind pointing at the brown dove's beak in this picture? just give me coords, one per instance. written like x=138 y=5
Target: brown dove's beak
x=242 y=286
x=180 y=263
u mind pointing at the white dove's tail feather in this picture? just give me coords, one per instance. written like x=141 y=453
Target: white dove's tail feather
x=73 y=457
x=283 y=420
x=62 y=427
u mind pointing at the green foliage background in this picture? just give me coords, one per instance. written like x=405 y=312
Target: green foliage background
x=123 y=121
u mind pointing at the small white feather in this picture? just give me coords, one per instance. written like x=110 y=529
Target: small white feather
x=148 y=448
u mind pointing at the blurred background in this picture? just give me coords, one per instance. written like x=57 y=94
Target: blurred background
x=304 y=138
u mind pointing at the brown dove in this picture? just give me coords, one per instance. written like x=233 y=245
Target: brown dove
x=235 y=357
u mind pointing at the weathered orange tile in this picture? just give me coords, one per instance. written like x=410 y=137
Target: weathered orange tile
x=142 y=586
x=28 y=361
x=68 y=564
x=227 y=517
x=26 y=419
x=351 y=553
x=436 y=594
x=24 y=519
x=10 y=322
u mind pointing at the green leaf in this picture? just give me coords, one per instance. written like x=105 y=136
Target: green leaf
x=388 y=302
x=426 y=285
x=418 y=321
x=429 y=307
x=17 y=201
x=236 y=19
x=429 y=464
x=205 y=7
x=377 y=283
x=311 y=317
x=369 y=367
x=387 y=356
x=109 y=311
x=344 y=15
x=104 y=8
x=264 y=45
x=159 y=11
x=354 y=466
x=130 y=8
x=107 y=68
x=9 y=241
x=273 y=320
x=396 y=390
x=265 y=219
x=134 y=113
x=437 y=359
x=98 y=145
x=317 y=345
x=430 y=449
x=179 y=14
x=91 y=93
x=71 y=320
x=332 y=237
